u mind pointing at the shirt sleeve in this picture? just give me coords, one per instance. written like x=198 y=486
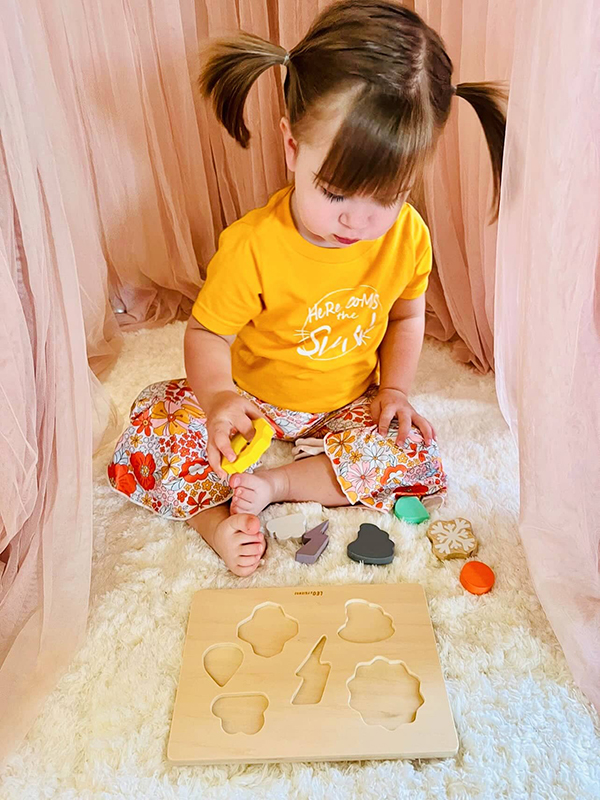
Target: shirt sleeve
x=231 y=295
x=423 y=260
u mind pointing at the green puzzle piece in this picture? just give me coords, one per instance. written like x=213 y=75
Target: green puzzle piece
x=411 y=509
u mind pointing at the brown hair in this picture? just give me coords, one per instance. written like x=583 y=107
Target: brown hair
x=399 y=75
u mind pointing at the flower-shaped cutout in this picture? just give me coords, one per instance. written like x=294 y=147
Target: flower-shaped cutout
x=385 y=693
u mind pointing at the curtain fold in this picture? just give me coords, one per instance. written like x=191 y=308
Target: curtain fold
x=458 y=187
x=548 y=315
x=46 y=441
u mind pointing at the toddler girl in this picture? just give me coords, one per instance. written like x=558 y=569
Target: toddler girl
x=313 y=311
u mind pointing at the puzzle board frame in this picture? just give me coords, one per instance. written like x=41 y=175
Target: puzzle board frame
x=330 y=730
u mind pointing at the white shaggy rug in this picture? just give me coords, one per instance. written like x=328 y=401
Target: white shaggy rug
x=525 y=731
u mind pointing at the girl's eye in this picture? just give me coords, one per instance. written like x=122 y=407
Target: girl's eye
x=335 y=198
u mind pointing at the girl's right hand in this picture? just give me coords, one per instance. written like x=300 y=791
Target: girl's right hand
x=228 y=414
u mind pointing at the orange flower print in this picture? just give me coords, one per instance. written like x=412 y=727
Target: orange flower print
x=143 y=469
x=167 y=415
x=390 y=471
x=195 y=503
x=195 y=469
x=142 y=423
x=122 y=480
x=340 y=443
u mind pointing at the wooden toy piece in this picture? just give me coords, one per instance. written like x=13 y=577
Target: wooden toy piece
x=314 y=543
x=309 y=694
x=434 y=501
x=411 y=509
x=476 y=577
x=289 y=527
x=248 y=453
x=452 y=539
x=371 y=546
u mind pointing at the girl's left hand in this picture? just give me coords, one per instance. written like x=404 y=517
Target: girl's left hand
x=390 y=403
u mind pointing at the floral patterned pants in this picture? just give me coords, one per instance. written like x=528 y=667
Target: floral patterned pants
x=160 y=460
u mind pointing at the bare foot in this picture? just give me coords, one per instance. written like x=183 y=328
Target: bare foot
x=254 y=492
x=239 y=542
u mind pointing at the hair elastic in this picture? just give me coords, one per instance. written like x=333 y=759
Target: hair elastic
x=286 y=59
x=453 y=88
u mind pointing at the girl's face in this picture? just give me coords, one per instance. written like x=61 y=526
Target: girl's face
x=322 y=215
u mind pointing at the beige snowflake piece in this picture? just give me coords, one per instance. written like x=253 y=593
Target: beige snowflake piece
x=452 y=539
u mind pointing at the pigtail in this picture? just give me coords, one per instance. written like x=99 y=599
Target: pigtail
x=231 y=67
x=488 y=100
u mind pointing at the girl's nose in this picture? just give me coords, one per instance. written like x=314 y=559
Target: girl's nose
x=354 y=220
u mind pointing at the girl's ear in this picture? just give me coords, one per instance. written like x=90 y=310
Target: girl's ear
x=290 y=145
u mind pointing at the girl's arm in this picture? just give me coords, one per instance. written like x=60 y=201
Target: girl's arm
x=208 y=369
x=207 y=363
x=399 y=356
x=401 y=346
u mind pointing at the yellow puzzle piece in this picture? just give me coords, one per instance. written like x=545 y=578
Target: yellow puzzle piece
x=248 y=453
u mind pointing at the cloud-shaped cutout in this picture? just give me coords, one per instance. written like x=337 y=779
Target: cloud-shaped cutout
x=241 y=713
x=366 y=623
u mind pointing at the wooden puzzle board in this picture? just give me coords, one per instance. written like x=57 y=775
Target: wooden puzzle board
x=377 y=700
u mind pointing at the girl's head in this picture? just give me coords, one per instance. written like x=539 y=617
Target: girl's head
x=367 y=92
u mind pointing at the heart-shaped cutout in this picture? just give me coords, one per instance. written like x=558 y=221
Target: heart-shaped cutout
x=222 y=661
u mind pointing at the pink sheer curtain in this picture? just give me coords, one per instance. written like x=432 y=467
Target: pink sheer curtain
x=46 y=441
x=458 y=189
x=115 y=181
x=548 y=314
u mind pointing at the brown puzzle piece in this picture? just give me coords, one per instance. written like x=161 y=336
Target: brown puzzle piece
x=452 y=538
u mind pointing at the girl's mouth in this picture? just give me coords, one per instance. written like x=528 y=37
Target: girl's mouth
x=341 y=240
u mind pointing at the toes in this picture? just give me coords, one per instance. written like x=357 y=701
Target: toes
x=246 y=480
x=241 y=506
x=248 y=523
x=242 y=493
x=243 y=572
x=254 y=549
x=248 y=561
x=250 y=538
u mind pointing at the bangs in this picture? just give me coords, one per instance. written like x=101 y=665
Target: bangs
x=380 y=147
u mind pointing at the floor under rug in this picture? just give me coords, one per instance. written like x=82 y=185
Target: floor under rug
x=525 y=730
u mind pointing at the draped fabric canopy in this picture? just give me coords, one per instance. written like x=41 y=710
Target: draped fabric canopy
x=115 y=181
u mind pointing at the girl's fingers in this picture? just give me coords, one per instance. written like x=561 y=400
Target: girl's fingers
x=375 y=409
x=387 y=415
x=425 y=428
x=214 y=460
x=253 y=411
x=222 y=442
x=243 y=423
x=403 y=427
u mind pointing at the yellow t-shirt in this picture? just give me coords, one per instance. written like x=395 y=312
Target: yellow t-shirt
x=308 y=319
